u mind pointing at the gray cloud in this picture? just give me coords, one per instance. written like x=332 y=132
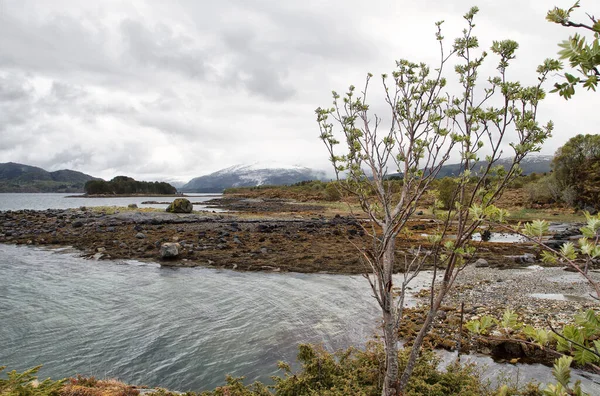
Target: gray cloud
x=179 y=89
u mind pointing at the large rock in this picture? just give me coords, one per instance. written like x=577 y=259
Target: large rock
x=180 y=205
x=481 y=263
x=169 y=250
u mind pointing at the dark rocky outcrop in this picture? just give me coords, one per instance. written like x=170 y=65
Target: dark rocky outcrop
x=180 y=205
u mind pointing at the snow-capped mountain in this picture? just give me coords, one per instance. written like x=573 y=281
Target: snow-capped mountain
x=533 y=163
x=256 y=174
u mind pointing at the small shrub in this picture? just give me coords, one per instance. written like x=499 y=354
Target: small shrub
x=332 y=192
x=27 y=384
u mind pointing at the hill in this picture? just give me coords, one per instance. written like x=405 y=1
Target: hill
x=531 y=164
x=25 y=178
x=257 y=174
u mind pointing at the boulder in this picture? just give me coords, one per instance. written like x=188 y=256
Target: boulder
x=180 y=205
x=169 y=250
x=481 y=263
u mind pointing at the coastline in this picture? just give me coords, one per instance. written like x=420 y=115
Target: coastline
x=126 y=195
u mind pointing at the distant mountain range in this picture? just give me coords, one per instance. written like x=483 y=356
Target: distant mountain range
x=276 y=174
x=530 y=164
x=24 y=178
x=251 y=175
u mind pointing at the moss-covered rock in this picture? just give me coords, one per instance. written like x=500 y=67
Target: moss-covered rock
x=180 y=205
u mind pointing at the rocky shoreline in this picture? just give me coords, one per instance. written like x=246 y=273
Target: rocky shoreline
x=254 y=235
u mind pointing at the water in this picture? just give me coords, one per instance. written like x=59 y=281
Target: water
x=15 y=201
x=183 y=329
x=501 y=237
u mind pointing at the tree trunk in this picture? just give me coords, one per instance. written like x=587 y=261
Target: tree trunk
x=414 y=352
x=390 y=332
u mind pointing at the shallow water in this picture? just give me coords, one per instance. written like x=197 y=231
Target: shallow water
x=16 y=201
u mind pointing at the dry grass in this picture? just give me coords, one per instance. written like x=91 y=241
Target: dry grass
x=82 y=386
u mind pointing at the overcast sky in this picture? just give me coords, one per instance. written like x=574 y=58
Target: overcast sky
x=181 y=88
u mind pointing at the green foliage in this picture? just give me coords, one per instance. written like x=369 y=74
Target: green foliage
x=536 y=229
x=332 y=192
x=562 y=373
x=576 y=166
x=582 y=55
x=308 y=190
x=480 y=326
x=235 y=387
x=539 y=336
x=122 y=185
x=588 y=247
x=508 y=323
x=544 y=190
x=447 y=189
x=355 y=372
x=26 y=384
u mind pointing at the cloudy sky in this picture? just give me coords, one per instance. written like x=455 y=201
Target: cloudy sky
x=181 y=88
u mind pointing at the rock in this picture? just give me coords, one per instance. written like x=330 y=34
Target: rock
x=481 y=263
x=77 y=224
x=180 y=205
x=526 y=258
x=140 y=235
x=555 y=243
x=101 y=250
x=138 y=227
x=169 y=250
x=132 y=206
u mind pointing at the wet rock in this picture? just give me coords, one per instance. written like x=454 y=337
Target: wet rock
x=555 y=243
x=169 y=250
x=481 y=263
x=180 y=205
x=526 y=258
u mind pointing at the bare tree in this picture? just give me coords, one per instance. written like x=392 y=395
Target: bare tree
x=426 y=126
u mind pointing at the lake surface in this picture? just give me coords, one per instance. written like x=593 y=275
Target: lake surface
x=16 y=201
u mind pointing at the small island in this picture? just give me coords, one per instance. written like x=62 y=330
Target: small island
x=127 y=186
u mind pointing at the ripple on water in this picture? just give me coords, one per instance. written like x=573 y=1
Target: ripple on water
x=180 y=328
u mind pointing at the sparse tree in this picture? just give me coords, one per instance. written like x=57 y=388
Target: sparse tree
x=426 y=125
